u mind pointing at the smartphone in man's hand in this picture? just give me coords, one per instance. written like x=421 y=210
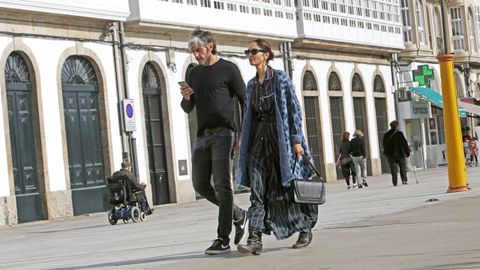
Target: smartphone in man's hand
x=183 y=84
x=186 y=90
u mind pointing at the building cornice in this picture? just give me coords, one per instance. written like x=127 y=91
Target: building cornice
x=116 y=10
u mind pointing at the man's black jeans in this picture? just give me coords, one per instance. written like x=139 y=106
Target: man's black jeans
x=211 y=160
x=394 y=163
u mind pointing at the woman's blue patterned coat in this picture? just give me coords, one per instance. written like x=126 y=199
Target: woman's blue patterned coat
x=289 y=128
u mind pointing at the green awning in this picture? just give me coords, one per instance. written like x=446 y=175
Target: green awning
x=434 y=97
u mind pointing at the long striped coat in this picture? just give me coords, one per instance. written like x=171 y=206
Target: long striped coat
x=289 y=128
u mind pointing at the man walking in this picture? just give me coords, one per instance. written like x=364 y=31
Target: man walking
x=396 y=149
x=211 y=87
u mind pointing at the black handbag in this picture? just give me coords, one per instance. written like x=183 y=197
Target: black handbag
x=308 y=190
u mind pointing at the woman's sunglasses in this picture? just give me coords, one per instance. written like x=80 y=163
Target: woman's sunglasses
x=253 y=51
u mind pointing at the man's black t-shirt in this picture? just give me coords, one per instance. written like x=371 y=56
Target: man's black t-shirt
x=214 y=87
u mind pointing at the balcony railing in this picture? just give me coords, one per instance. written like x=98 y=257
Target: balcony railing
x=275 y=18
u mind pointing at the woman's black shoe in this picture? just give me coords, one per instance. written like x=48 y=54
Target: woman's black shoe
x=304 y=239
x=254 y=244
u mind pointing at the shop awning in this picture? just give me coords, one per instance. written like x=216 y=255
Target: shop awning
x=435 y=98
x=469 y=107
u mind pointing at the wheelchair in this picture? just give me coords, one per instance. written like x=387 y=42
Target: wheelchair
x=124 y=201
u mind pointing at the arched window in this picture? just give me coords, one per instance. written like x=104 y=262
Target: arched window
x=437 y=25
x=378 y=85
x=471 y=24
x=458 y=34
x=334 y=82
x=78 y=70
x=150 y=78
x=422 y=37
x=309 y=82
x=16 y=70
x=407 y=21
x=357 y=83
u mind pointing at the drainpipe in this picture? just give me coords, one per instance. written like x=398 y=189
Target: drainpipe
x=393 y=73
x=286 y=50
x=284 y=56
x=131 y=136
x=289 y=59
x=113 y=29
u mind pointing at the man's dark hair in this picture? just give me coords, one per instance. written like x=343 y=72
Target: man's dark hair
x=126 y=164
x=201 y=37
x=394 y=124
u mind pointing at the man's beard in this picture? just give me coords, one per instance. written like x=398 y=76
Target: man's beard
x=206 y=60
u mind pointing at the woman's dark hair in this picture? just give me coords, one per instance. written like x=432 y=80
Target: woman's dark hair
x=265 y=46
x=345 y=136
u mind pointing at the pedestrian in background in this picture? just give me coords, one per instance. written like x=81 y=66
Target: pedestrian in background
x=473 y=149
x=396 y=150
x=211 y=87
x=359 y=155
x=345 y=161
x=272 y=139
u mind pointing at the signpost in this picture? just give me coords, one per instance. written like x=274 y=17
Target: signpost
x=129 y=123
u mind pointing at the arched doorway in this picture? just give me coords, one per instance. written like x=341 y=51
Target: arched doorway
x=312 y=119
x=24 y=137
x=84 y=141
x=382 y=117
x=360 y=114
x=152 y=105
x=337 y=114
x=192 y=116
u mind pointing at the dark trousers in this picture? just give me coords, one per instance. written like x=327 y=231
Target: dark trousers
x=347 y=170
x=142 y=199
x=394 y=163
x=211 y=160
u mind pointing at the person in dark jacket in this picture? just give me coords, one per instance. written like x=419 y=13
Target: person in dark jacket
x=359 y=155
x=346 y=162
x=126 y=171
x=396 y=149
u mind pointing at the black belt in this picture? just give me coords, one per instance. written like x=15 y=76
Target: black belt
x=211 y=131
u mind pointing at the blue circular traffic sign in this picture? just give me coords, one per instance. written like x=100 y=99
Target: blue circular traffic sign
x=129 y=110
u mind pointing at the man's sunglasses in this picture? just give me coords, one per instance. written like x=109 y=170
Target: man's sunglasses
x=253 y=51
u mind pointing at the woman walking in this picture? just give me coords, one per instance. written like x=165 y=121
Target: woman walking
x=271 y=140
x=345 y=160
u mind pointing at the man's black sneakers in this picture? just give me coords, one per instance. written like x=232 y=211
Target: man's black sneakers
x=219 y=246
x=240 y=227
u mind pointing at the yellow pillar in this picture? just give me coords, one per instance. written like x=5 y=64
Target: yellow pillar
x=457 y=172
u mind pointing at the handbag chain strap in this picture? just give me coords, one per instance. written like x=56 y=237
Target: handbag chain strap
x=310 y=164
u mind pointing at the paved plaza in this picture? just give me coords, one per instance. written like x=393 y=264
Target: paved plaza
x=414 y=226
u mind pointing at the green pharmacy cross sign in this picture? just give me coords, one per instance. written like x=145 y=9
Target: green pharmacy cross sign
x=423 y=75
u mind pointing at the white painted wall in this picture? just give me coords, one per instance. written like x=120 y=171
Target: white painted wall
x=4 y=180
x=49 y=77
